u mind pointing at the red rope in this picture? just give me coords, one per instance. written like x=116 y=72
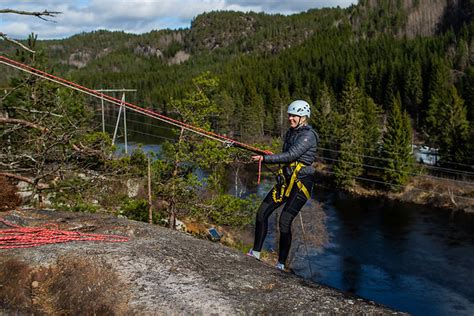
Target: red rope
x=259 y=170
x=26 y=237
x=75 y=86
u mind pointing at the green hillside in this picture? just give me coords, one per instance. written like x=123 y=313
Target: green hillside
x=413 y=52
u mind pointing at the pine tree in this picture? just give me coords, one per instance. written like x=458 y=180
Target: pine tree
x=226 y=107
x=462 y=55
x=371 y=126
x=324 y=119
x=254 y=114
x=439 y=86
x=389 y=91
x=396 y=148
x=468 y=92
x=351 y=138
x=276 y=114
x=454 y=129
x=176 y=182
x=414 y=92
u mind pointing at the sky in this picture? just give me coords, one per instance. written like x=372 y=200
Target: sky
x=133 y=16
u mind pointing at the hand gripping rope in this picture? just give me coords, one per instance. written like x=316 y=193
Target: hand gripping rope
x=26 y=237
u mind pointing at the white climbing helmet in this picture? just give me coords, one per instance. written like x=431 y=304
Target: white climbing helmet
x=300 y=108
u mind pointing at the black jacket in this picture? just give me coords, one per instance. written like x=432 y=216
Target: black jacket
x=300 y=145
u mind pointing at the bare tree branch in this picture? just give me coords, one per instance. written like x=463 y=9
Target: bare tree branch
x=19 y=86
x=36 y=111
x=47 y=174
x=6 y=38
x=4 y=120
x=22 y=156
x=24 y=179
x=40 y=15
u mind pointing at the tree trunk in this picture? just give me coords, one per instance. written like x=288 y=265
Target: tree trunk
x=172 y=218
x=150 y=210
x=172 y=214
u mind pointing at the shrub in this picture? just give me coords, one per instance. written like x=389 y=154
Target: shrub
x=233 y=211
x=9 y=197
x=135 y=209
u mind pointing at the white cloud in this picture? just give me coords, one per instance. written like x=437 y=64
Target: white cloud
x=134 y=16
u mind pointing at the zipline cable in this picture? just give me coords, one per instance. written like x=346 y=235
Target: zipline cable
x=391 y=152
x=144 y=133
x=393 y=169
x=447 y=170
x=402 y=186
x=135 y=108
x=69 y=84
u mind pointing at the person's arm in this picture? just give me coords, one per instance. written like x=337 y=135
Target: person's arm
x=303 y=143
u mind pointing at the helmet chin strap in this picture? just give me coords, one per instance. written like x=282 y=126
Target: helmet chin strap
x=299 y=123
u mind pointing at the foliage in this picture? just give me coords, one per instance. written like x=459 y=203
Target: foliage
x=351 y=139
x=136 y=209
x=175 y=179
x=454 y=129
x=255 y=87
x=371 y=127
x=134 y=164
x=73 y=194
x=229 y=210
x=396 y=149
x=84 y=207
x=260 y=62
x=46 y=130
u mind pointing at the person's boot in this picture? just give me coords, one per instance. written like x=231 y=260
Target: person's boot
x=280 y=266
x=254 y=254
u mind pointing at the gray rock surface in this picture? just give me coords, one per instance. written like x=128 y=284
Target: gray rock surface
x=158 y=271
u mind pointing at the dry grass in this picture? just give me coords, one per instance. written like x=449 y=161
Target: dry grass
x=442 y=193
x=15 y=285
x=72 y=286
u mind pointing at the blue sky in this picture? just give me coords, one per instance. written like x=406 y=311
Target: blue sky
x=133 y=16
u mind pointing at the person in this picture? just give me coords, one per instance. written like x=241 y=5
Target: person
x=294 y=180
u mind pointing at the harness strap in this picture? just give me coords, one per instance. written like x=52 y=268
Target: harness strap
x=286 y=190
x=281 y=185
x=303 y=189
x=294 y=175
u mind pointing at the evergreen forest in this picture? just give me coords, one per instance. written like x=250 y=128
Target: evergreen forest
x=377 y=81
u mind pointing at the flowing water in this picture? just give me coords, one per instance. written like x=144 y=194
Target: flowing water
x=411 y=258
x=414 y=259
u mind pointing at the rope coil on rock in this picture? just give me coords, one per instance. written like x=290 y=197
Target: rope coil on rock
x=26 y=237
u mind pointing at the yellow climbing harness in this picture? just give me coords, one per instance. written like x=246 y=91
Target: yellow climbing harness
x=284 y=190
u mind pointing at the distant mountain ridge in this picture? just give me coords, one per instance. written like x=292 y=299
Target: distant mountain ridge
x=238 y=32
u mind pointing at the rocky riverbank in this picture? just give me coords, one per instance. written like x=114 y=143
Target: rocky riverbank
x=439 y=193
x=158 y=271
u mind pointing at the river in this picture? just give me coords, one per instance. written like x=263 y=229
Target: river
x=411 y=258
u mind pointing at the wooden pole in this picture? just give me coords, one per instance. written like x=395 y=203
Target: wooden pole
x=103 y=114
x=150 y=211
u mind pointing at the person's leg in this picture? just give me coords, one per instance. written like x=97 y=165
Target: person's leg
x=267 y=207
x=293 y=206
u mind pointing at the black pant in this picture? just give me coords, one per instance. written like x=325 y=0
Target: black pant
x=293 y=205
